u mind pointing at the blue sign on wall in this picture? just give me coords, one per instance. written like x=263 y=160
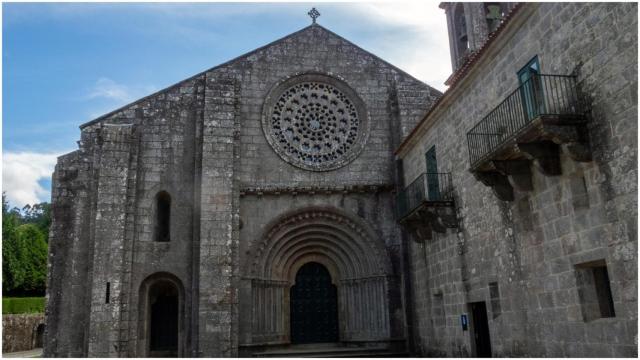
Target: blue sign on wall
x=464 y=322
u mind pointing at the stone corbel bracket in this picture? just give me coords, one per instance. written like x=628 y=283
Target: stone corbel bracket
x=423 y=221
x=573 y=138
x=498 y=182
x=540 y=146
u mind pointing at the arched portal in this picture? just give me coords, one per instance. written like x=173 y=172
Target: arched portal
x=161 y=316
x=39 y=334
x=314 y=306
x=346 y=248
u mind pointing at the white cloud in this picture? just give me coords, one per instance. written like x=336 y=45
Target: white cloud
x=21 y=172
x=114 y=95
x=109 y=89
x=105 y=88
x=421 y=44
x=416 y=38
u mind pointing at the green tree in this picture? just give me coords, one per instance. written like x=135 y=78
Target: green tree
x=15 y=212
x=12 y=271
x=33 y=258
x=24 y=248
x=39 y=215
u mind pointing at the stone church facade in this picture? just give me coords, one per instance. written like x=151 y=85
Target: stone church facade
x=209 y=197
x=271 y=201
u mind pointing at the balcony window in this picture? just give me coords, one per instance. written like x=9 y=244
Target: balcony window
x=428 y=189
x=526 y=128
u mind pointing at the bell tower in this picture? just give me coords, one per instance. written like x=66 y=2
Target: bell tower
x=469 y=25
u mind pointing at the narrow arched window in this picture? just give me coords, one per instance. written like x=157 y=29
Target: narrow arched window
x=460 y=31
x=163 y=216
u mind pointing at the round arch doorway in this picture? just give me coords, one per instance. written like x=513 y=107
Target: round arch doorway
x=314 y=306
x=161 y=316
x=163 y=327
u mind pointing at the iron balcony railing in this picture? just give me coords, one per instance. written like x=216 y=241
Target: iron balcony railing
x=428 y=187
x=554 y=95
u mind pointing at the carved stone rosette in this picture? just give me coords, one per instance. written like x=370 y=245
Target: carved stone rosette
x=315 y=122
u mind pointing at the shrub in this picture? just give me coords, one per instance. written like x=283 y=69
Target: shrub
x=23 y=305
x=24 y=263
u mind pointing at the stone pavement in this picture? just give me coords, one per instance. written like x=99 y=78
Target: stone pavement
x=34 y=353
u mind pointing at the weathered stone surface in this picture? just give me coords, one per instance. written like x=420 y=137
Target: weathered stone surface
x=531 y=246
x=245 y=216
x=202 y=142
x=21 y=332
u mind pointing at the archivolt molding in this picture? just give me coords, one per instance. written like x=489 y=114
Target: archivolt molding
x=340 y=241
x=161 y=276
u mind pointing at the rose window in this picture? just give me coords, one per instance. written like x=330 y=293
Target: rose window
x=315 y=125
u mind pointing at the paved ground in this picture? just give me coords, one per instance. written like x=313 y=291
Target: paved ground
x=24 y=354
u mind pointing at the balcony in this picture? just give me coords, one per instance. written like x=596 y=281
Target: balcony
x=541 y=117
x=427 y=205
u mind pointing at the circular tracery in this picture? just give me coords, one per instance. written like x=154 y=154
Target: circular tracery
x=315 y=122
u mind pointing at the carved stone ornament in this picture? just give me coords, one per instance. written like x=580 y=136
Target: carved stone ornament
x=315 y=122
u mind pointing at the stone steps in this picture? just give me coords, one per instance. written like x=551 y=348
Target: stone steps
x=329 y=351
x=34 y=353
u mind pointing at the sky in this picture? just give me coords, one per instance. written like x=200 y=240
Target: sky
x=66 y=64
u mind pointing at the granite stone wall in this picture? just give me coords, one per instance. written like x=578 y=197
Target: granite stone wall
x=202 y=142
x=21 y=332
x=525 y=258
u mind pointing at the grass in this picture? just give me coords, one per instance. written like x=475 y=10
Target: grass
x=23 y=305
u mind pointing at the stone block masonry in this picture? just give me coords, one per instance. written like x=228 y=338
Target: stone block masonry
x=201 y=144
x=21 y=332
x=218 y=299
x=541 y=250
x=110 y=222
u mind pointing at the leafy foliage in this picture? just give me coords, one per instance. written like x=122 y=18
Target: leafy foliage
x=24 y=248
x=39 y=215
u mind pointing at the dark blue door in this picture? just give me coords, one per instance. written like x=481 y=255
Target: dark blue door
x=531 y=89
x=433 y=185
x=314 y=306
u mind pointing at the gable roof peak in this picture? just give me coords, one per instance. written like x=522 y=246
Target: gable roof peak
x=312 y=27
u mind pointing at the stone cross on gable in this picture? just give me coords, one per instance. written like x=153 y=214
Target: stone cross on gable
x=314 y=14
